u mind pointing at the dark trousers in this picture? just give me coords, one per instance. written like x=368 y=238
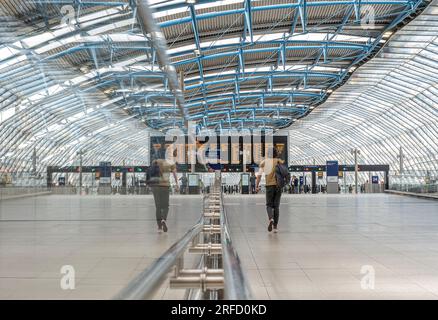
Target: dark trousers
x=273 y=195
x=161 y=197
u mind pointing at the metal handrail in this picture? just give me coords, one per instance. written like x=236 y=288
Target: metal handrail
x=147 y=282
x=236 y=284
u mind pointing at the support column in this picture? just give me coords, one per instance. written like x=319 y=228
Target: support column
x=80 y=172
x=355 y=152
x=313 y=182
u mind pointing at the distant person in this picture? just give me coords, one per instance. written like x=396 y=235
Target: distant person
x=158 y=178
x=296 y=187
x=273 y=167
x=292 y=186
x=184 y=181
x=202 y=186
x=252 y=180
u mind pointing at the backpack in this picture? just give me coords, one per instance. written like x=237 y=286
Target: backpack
x=282 y=175
x=153 y=174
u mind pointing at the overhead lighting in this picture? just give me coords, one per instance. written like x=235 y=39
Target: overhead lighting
x=387 y=34
x=197 y=52
x=190 y=1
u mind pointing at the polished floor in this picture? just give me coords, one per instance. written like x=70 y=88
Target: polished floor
x=324 y=246
x=107 y=239
x=330 y=246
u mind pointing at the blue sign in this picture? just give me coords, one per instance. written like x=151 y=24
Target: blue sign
x=332 y=171
x=375 y=179
x=332 y=168
x=301 y=180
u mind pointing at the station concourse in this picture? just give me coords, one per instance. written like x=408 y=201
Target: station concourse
x=141 y=144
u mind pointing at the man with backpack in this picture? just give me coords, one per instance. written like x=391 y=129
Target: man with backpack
x=158 y=178
x=276 y=176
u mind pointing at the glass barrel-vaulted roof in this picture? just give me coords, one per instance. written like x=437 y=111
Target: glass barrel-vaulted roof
x=82 y=75
x=268 y=63
x=391 y=102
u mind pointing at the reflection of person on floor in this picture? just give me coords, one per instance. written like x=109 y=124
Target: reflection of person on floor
x=273 y=192
x=161 y=190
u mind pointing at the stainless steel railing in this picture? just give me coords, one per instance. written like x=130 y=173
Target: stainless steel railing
x=147 y=282
x=219 y=274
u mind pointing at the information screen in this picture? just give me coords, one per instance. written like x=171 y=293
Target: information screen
x=332 y=171
x=227 y=153
x=245 y=179
x=193 y=180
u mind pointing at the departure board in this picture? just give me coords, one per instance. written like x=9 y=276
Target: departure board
x=229 y=153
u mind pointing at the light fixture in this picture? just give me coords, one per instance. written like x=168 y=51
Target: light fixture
x=197 y=52
x=387 y=34
x=190 y=1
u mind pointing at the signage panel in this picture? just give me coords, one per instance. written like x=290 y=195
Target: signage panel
x=245 y=179
x=235 y=151
x=193 y=180
x=332 y=168
x=105 y=180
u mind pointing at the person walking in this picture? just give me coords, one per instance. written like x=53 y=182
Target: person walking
x=252 y=180
x=269 y=167
x=158 y=178
x=296 y=186
x=184 y=181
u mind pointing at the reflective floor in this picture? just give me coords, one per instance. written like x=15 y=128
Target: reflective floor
x=328 y=247
x=107 y=239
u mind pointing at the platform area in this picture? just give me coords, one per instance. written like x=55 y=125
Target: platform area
x=323 y=244
x=324 y=241
x=107 y=239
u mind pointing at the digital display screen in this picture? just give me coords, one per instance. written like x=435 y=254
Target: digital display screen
x=245 y=179
x=224 y=153
x=235 y=153
x=227 y=153
x=193 y=180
